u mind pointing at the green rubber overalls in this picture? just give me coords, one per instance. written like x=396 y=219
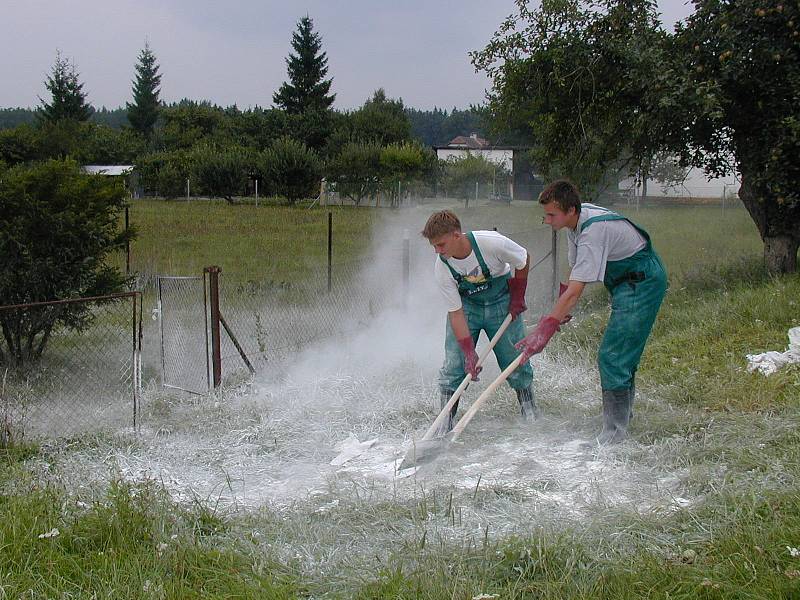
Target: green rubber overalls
x=485 y=305
x=637 y=285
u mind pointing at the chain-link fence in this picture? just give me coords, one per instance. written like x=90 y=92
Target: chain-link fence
x=183 y=324
x=263 y=322
x=69 y=366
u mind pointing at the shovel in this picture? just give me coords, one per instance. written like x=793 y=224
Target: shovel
x=426 y=450
x=409 y=461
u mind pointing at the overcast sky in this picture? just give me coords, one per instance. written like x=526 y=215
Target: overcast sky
x=233 y=51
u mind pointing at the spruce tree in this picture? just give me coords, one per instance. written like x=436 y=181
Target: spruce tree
x=68 y=100
x=307 y=88
x=143 y=112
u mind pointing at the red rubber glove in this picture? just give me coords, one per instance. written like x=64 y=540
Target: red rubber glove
x=470 y=357
x=517 y=286
x=535 y=341
x=562 y=287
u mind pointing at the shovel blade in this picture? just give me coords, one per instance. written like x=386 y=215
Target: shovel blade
x=424 y=451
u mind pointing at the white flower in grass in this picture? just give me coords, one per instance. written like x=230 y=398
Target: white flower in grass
x=793 y=552
x=485 y=596
x=54 y=532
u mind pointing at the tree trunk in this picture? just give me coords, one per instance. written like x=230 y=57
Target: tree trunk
x=778 y=223
x=780 y=254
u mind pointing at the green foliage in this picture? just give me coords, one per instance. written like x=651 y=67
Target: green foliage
x=86 y=142
x=164 y=173
x=732 y=102
x=355 y=172
x=257 y=127
x=68 y=100
x=666 y=169
x=143 y=112
x=222 y=173
x=290 y=169
x=116 y=118
x=461 y=174
x=14 y=117
x=381 y=120
x=57 y=226
x=307 y=88
x=188 y=123
x=578 y=82
x=20 y=144
x=312 y=127
x=437 y=127
x=601 y=87
x=402 y=163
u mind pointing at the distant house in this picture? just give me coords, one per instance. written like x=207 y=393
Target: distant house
x=125 y=171
x=696 y=186
x=460 y=146
x=112 y=170
x=524 y=185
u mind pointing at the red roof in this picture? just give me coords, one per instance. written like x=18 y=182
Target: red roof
x=473 y=142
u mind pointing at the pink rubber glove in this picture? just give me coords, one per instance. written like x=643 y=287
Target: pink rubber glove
x=517 y=286
x=470 y=357
x=534 y=342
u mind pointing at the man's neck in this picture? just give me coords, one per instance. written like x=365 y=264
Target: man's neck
x=465 y=248
x=573 y=223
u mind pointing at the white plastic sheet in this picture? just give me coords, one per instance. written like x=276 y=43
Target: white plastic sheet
x=769 y=362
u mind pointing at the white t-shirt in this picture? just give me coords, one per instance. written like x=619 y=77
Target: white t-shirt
x=603 y=241
x=499 y=253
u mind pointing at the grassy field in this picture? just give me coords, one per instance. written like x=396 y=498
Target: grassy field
x=180 y=238
x=730 y=436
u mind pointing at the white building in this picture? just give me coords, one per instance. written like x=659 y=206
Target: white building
x=696 y=185
x=514 y=159
x=461 y=146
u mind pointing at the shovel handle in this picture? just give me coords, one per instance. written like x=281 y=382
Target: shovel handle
x=465 y=382
x=464 y=421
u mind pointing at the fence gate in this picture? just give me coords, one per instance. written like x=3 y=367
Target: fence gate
x=183 y=328
x=70 y=367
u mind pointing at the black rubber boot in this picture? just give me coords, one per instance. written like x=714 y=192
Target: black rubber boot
x=447 y=426
x=526 y=404
x=616 y=416
x=632 y=393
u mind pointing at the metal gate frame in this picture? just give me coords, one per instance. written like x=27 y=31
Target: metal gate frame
x=164 y=382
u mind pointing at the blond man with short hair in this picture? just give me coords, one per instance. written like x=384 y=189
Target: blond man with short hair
x=482 y=276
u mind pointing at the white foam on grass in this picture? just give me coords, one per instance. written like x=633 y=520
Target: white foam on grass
x=324 y=433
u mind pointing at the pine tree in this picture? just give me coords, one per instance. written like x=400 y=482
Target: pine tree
x=143 y=112
x=307 y=88
x=68 y=98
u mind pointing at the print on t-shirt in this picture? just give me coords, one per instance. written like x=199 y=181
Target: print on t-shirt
x=475 y=276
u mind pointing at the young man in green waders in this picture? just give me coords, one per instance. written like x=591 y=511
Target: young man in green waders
x=604 y=246
x=482 y=276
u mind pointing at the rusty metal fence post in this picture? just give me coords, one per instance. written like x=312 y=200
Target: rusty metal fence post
x=330 y=251
x=216 y=355
x=127 y=244
x=406 y=266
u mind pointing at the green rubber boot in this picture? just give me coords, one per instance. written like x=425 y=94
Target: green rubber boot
x=616 y=416
x=447 y=426
x=526 y=404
